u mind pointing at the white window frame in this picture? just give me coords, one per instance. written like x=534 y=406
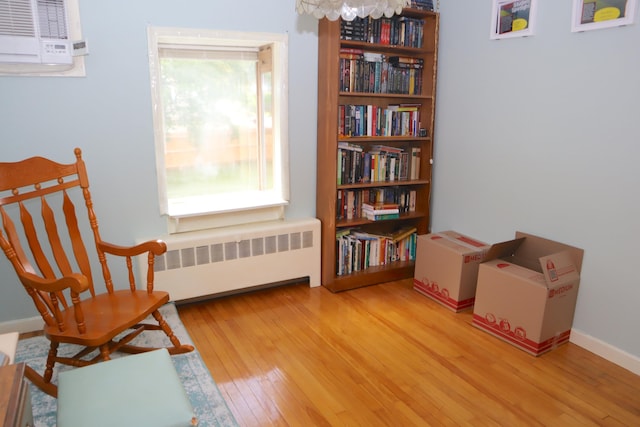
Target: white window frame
x=260 y=209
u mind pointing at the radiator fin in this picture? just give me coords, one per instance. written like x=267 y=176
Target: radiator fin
x=257 y=246
x=230 y=251
x=173 y=260
x=244 y=248
x=217 y=253
x=283 y=242
x=270 y=245
x=202 y=255
x=188 y=257
x=307 y=239
x=296 y=243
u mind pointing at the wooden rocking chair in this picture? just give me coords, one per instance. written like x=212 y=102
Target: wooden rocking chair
x=105 y=321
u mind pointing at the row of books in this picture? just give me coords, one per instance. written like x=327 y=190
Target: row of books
x=356 y=203
x=372 y=72
x=422 y=4
x=358 y=250
x=381 y=163
x=373 y=120
x=395 y=31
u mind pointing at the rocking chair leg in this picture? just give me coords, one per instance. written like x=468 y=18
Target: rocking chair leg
x=39 y=381
x=177 y=348
x=51 y=360
x=105 y=351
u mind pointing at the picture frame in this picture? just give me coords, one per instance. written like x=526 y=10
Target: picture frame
x=513 y=18
x=592 y=15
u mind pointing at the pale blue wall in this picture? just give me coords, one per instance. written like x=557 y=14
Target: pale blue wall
x=108 y=112
x=542 y=134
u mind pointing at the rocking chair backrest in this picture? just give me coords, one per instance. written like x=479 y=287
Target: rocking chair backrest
x=35 y=200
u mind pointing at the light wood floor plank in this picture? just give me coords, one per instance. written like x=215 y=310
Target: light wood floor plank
x=385 y=355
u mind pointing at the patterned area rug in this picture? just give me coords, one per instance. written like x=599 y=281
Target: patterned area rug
x=208 y=403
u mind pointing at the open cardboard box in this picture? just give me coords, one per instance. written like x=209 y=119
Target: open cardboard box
x=447 y=268
x=527 y=291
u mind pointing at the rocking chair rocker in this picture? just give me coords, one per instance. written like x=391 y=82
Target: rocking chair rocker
x=106 y=321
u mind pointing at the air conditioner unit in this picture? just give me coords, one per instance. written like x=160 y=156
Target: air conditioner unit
x=34 y=32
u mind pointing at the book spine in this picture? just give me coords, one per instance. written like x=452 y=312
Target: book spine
x=382 y=217
x=380 y=211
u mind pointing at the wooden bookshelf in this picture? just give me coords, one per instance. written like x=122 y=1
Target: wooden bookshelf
x=332 y=94
x=15 y=398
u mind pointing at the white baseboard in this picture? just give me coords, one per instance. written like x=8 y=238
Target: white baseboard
x=29 y=324
x=606 y=351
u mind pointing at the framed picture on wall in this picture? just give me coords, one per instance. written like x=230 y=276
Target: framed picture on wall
x=596 y=14
x=512 y=18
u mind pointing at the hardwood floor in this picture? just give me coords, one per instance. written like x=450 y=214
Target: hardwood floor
x=385 y=355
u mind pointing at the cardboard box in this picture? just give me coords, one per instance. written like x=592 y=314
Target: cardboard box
x=527 y=291
x=446 y=268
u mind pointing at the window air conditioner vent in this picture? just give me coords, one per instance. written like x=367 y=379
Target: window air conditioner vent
x=34 y=31
x=16 y=18
x=52 y=19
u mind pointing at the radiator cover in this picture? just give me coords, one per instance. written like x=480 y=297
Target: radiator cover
x=212 y=262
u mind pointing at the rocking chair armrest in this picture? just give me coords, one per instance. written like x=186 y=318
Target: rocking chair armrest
x=156 y=247
x=76 y=281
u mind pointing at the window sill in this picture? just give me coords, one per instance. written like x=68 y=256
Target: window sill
x=207 y=220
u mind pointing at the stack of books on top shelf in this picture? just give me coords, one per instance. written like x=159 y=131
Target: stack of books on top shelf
x=359 y=250
x=422 y=4
x=380 y=211
x=355 y=29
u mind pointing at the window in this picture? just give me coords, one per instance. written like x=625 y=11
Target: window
x=219 y=106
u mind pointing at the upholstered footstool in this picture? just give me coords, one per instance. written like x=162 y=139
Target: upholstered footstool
x=141 y=390
x=8 y=345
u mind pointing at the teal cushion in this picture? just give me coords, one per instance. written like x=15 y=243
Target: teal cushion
x=137 y=390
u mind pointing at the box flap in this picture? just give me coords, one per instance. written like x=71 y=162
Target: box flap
x=536 y=247
x=458 y=242
x=558 y=268
x=503 y=249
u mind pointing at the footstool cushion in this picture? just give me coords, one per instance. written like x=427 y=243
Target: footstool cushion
x=8 y=344
x=135 y=390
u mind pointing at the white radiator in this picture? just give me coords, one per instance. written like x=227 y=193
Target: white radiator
x=211 y=262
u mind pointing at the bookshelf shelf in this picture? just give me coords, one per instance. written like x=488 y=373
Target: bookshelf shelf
x=363 y=221
x=373 y=275
x=383 y=135
x=383 y=184
x=384 y=95
x=375 y=47
x=382 y=139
